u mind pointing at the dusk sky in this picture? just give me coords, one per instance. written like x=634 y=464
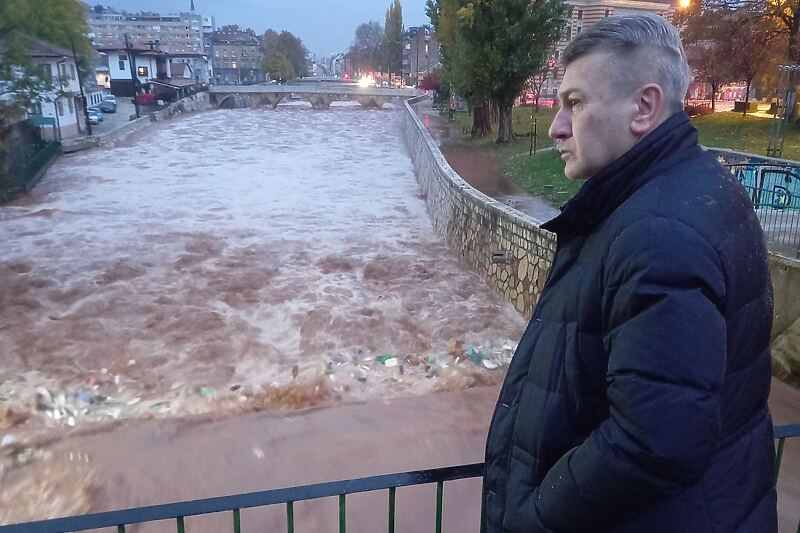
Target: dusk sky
x=325 y=26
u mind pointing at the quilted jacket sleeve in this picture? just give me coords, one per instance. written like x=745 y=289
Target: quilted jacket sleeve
x=666 y=338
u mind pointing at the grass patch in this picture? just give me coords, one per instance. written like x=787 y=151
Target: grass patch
x=539 y=175
x=744 y=133
x=543 y=173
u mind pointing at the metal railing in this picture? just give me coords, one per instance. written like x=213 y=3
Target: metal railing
x=775 y=193
x=23 y=180
x=288 y=496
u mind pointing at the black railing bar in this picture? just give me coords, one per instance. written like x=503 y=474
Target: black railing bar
x=788 y=431
x=243 y=501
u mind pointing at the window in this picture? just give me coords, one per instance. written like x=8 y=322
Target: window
x=122 y=65
x=608 y=12
x=244 y=54
x=123 y=57
x=69 y=104
x=143 y=71
x=578 y=30
x=580 y=14
x=60 y=107
x=556 y=56
x=72 y=72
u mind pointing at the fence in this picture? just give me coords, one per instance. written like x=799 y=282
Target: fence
x=23 y=180
x=775 y=193
x=288 y=496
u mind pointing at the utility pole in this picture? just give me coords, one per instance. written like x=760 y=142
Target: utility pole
x=134 y=78
x=80 y=84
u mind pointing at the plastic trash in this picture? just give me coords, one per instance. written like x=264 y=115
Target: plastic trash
x=388 y=360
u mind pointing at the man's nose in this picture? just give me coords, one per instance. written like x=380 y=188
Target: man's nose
x=561 y=128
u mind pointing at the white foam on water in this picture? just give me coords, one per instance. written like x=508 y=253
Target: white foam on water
x=227 y=248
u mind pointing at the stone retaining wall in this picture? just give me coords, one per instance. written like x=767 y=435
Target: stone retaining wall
x=197 y=102
x=504 y=245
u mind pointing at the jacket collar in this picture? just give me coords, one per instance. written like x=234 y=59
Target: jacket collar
x=671 y=142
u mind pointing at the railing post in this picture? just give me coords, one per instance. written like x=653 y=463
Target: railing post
x=237 y=521
x=778 y=457
x=181 y=525
x=290 y=517
x=392 y=492
x=439 y=491
x=342 y=514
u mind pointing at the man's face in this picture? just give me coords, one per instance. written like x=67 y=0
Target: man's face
x=593 y=125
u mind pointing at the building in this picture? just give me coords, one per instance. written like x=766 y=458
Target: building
x=420 y=53
x=174 y=33
x=585 y=13
x=336 y=65
x=236 y=57
x=59 y=111
x=151 y=67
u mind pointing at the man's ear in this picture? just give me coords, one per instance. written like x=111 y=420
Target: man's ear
x=648 y=111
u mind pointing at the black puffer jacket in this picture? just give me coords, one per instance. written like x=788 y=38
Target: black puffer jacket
x=637 y=398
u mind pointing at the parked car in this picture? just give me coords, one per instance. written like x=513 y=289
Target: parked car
x=107 y=106
x=95 y=115
x=110 y=98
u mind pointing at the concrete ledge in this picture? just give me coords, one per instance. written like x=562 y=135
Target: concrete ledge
x=507 y=247
x=197 y=102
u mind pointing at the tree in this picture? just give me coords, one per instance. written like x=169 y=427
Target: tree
x=432 y=81
x=783 y=16
x=59 y=22
x=466 y=76
x=277 y=65
x=367 y=45
x=503 y=43
x=290 y=47
x=393 y=38
x=751 y=47
x=707 y=41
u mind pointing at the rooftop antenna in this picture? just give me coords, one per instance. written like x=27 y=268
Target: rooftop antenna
x=192 y=6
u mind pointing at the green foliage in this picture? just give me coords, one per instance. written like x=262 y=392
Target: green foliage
x=492 y=47
x=510 y=39
x=277 y=65
x=59 y=22
x=289 y=46
x=393 y=38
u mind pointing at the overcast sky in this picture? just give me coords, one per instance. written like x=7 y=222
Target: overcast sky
x=325 y=26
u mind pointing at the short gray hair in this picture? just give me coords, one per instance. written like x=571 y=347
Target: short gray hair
x=634 y=38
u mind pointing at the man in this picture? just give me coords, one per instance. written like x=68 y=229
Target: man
x=637 y=398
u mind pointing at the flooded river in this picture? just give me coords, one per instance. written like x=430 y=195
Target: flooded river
x=235 y=257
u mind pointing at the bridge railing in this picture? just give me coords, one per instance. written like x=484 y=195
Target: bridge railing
x=289 y=496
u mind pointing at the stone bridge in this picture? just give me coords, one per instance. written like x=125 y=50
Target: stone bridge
x=320 y=96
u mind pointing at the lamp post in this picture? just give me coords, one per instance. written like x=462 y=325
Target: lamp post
x=80 y=84
x=61 y=85
x=134 y=76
